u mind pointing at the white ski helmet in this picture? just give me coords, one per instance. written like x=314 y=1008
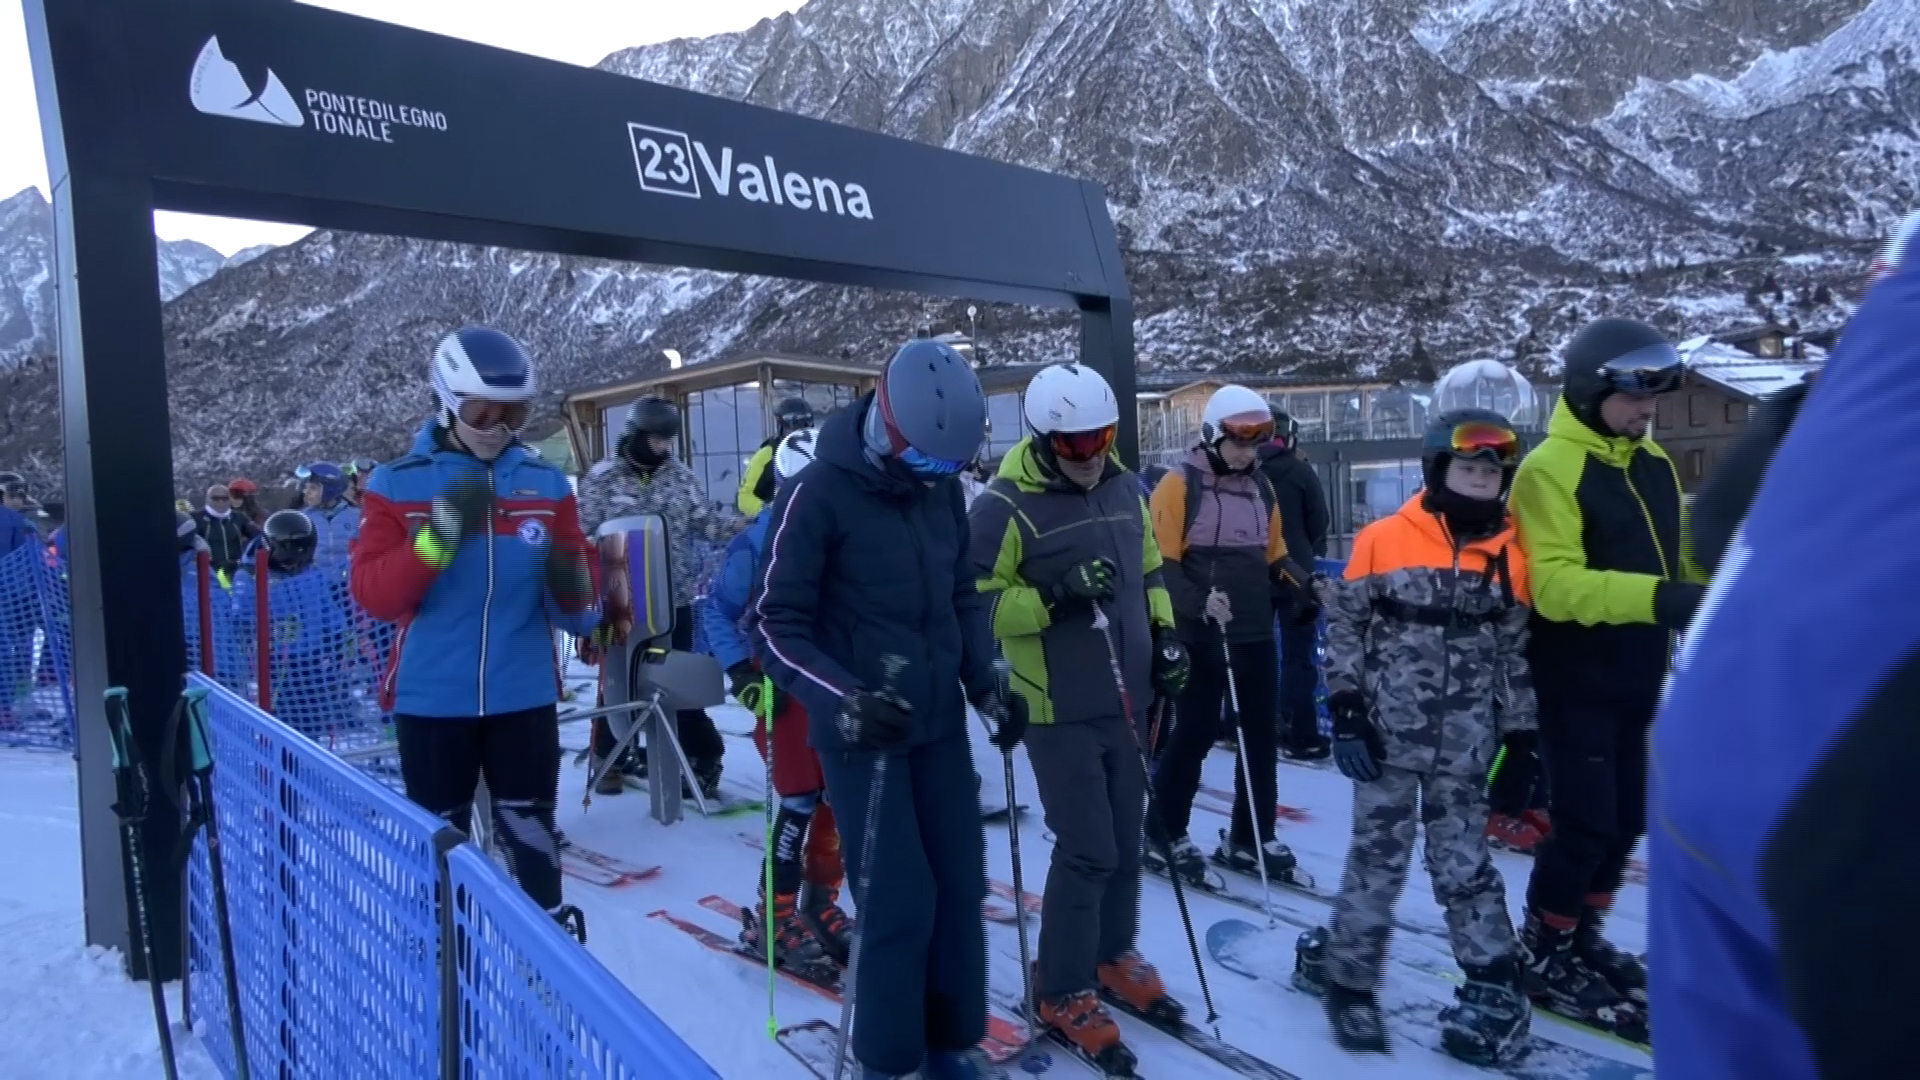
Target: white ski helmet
x=795 y=452
x=1069 y=397
x=1231 y=409
x=479 y=362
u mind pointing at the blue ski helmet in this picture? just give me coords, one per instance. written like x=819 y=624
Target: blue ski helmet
x=932 y=408
x=333 y=482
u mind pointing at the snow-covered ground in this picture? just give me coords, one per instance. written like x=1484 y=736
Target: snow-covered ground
x=74 y=1015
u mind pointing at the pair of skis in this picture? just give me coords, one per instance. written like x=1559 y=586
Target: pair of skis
x=132 y=799
x=990 y=909
x=598 y=868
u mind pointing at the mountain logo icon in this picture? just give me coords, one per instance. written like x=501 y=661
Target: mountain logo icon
x=219 y=88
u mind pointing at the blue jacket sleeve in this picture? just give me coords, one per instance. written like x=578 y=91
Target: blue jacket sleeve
x=720 y=615
x=800 y=540
x=976 y=629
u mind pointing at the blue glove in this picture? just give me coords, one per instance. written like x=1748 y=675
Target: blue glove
x=1358 y=749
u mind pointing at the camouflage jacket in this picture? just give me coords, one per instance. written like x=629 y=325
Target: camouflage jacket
x=615 y=490
x=1435 y=636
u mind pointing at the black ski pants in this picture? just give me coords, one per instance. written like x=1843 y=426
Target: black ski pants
x=1299 y=679
x=1595 y=753
x=1197 y=723
x=699 y=738
x=1092 y=787
x=442 y=760
x=922 y=978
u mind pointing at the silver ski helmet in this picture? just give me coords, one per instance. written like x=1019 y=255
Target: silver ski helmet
x=933 y=413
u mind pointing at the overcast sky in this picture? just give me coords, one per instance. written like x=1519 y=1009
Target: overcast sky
x=576 y=31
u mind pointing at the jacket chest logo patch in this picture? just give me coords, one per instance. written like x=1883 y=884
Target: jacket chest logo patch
x=533 y=531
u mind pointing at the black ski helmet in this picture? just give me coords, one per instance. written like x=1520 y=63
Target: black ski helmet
x=1439 y=446
x=790 y=416
x=930 y=401
x=290 y=539
x=184 y=531
x=654 y=416
x=1286 y=430
x=1609 y=356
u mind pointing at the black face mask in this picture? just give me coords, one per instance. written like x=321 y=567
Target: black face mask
x=1466 y=517
x=637 y=451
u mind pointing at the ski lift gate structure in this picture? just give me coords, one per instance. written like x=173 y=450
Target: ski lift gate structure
x=286 y=112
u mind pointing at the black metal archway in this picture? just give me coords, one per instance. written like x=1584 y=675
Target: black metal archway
x=293 y=113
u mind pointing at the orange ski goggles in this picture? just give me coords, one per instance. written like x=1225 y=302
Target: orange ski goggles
x=1082 y=445
x=1479 y=438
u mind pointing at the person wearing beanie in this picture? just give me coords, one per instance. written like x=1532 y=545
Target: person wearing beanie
x=1602 y=521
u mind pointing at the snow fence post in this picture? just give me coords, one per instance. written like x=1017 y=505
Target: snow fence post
x=262 y=632
x=203 y=573
x=445 y=840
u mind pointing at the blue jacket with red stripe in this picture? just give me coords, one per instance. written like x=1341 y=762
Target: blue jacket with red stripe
x=476 y=638
x=1784 y=874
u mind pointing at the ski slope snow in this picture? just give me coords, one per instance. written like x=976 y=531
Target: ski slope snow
x=72 y=1013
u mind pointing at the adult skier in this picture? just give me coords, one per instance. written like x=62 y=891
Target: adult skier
x=323 y=489
x=645 y=478
x=225 y=531
x=1428 y=676
x=1218 y=525
x=1599 y=509
x=472 y=544
x=869 y=615
x=1783 y=883
x=758 y=481
x=1304 y=521
x=808 y=923
x=1063 y=532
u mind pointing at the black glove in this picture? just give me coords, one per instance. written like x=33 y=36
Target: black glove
x=1295 y=586
x=1519 y=768
x=1171 y=664
x=1005 y=713
x=755 y=691
x=1357 y=746
x=1085 y=583
x=1674 y=603
x=466 y=506
x=874 y=721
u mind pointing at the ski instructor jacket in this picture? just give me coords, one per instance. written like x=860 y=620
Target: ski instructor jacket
x=1602 y=523
x=861 y=565
x=476 y=636
x=1434 y=631
x=1029 y=529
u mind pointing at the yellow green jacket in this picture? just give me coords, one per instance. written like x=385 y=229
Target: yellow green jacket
x=756 y=483
x=1028 y=530
x=1602 y=522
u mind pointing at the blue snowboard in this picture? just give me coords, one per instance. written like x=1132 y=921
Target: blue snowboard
x=1267 y=955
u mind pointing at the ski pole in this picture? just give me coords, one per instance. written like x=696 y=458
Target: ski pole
x=131 y=808
x=1246 y=777
x=202 y=765
x=894 y=665
x=1153 y=812
x=1001 y=668
x=766 y=868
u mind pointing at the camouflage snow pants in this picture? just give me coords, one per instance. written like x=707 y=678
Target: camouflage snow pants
x=1469 y=889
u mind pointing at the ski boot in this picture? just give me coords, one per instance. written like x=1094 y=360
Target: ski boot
x=1558 y=980
x=1318 y=748
x=1355 y=1015
x=1488 y=1023
x=829 y=924
x=1246 y=860
x=1541 y=821
x=572 y=920
x=1084 y=1022
x=1131 y=979
x=867 y=1072
x=1623 y=971
x=793 y=946
x=1188 y=862
x=957 y=1065
x=1513 y=833
x=708 y=772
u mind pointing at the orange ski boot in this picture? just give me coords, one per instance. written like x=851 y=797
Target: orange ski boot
x=1084 y=1022
x=1129 y=978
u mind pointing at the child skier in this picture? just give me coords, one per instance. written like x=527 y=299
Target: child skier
x=869 y=615
x=1428 y=676
x=306 y=629
x=808 y=925
x=1059 y=536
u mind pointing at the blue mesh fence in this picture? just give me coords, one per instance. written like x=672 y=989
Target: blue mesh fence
x=534 y=1004
x=36 y=651
x=331 y=882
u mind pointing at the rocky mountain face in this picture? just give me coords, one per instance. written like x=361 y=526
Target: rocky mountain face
x=1335 y=187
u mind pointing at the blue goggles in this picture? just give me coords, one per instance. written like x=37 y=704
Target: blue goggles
x=922 y=465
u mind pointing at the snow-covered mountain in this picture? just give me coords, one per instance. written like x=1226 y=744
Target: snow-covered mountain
x=26 y=274
x=1313 y=187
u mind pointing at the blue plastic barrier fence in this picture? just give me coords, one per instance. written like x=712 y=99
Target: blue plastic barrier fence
x=535 y=1004
x=36 y=650
x=331 y=882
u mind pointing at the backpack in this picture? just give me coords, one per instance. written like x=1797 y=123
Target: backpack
x=1192 y=476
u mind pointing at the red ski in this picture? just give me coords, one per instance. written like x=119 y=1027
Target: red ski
x=994 y=912
x=1224 y=798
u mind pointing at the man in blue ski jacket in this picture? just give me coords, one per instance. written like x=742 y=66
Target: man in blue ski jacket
x=1785 y=878
x=869 y=616
x=323 y=490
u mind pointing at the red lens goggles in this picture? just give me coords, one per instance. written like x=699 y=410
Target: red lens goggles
x=1247 y=431
x=1477 y=438
x=487 y=415
x=1082 y=445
